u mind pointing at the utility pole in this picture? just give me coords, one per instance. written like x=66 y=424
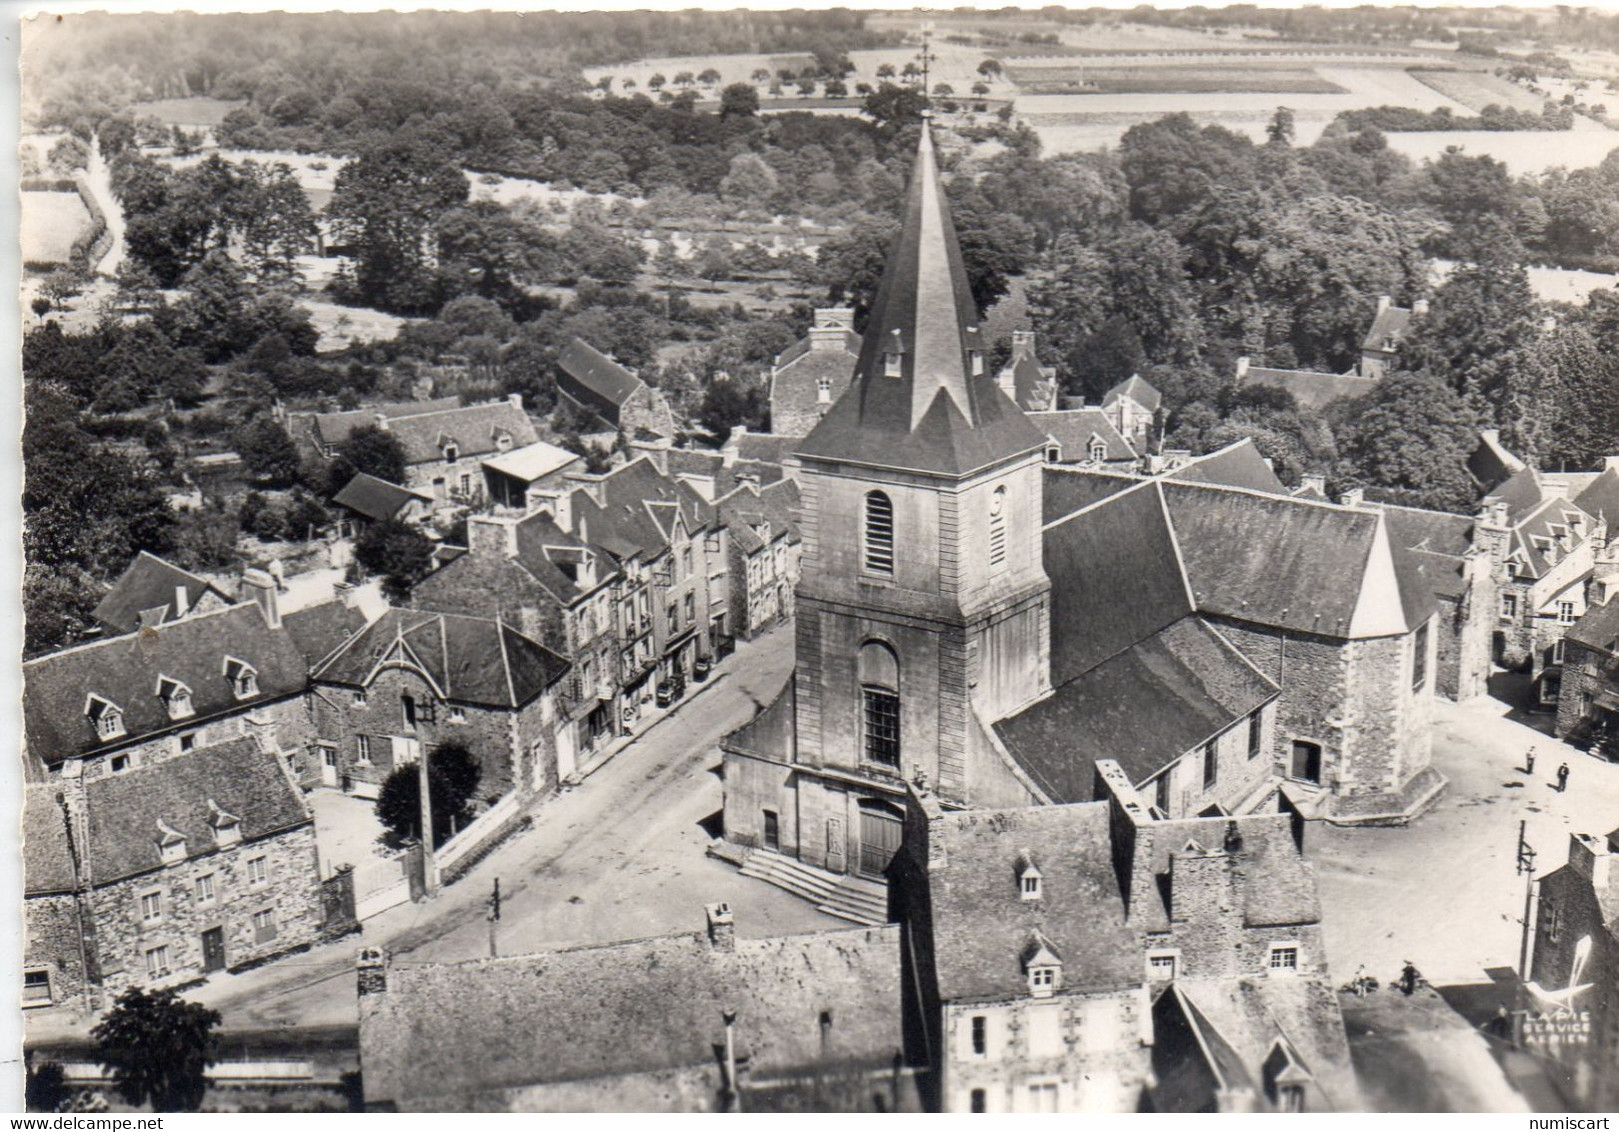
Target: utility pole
x=429 y=861
x=926 y=55
x=1526 y=868
x=494 y=921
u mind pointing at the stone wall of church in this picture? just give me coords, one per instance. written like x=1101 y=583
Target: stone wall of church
x=1390 y=738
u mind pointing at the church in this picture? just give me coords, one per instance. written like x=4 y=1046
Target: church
x=975 y=620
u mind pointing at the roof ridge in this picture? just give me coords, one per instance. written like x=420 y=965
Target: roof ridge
x=191 y=619
x=1094 y=504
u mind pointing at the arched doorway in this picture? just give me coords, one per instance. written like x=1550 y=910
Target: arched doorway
x=1306 y=763
x=881 y=829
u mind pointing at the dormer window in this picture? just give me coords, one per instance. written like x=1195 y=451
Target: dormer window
x=503 y=441
x=823 y=389
x=1098 y=450
x=1044 y=980
x=243 y=677
x=894 y=356
x=176 y=697
x=171 y=843
x=1043 y=966
x=1029 y=880
x=227 y=828
x=976 y=359
x=451 y=453
x=106 y=716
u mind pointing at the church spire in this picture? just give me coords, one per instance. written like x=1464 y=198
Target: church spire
x=923 y=329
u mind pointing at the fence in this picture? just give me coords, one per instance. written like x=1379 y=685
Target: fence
x=250 y=1072
x=489 y=826
x=381 y=885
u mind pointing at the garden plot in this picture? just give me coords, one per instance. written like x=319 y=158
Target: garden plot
x=50 y=224
x=1478 y=89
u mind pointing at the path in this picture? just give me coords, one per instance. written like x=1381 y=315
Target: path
x=99 y=177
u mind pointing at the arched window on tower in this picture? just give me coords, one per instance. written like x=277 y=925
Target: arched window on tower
x=879 y=697
x=997 y=527
x=879 y=534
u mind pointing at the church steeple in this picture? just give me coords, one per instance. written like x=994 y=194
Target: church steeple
x=921 y=396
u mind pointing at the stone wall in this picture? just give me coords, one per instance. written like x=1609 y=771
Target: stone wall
x=646 y=410
x=1240 y=779
x=57 y=940
x=291 y=892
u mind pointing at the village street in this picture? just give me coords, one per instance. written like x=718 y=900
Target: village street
x=1444 y=891
x=620 y=856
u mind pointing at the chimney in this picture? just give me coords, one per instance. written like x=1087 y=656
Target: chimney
x=1022 y=343
x=1314 y=481
x=1242 y=367
x=382 y=421
x=371 y=971
x=840 y=317
x=1548 y=324
x=488 y=535
x=729 y=1016
x=1592 y=858
x=1420 y=307
x=182 y=602
x=1610 y=463
x=1354 y=497
x=826 y=337
x=259 y=587
x=721 y=928
x=1383 y=303
x=516 y=401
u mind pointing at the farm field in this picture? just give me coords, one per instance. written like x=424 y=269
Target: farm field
x=1177 y=80
x=1078 y=122
x=50 y=223
x=188 y=112
x=1521 y=151
x=1478 y=89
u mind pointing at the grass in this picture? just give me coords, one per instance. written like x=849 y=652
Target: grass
x=1478 y=89
x=187 y=111
x=50 y=224
x=1177 y=80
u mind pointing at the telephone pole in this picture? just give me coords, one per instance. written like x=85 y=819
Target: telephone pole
x=494 y=921
x=926 y=55
x=1526 y=868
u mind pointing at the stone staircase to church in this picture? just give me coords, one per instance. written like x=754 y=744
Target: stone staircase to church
x=847 y=897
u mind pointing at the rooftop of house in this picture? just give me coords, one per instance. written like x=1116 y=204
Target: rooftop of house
x=1546 y=534
x=377 y=499
x=748 y=512
x=189 y=796
x=470 y=660
x=1241 y=1024
x=983 y=928
x=146 y=593
x=1033 y=384
x=47 y=858
x=597 y=372
x=1386 y=329
x=1238 y=464
x=474 y=430
x=1522 y=494
x=1598 y=629
x=825 y=1000
x=1490 y=463
x=1600 y=498
x=1312 y=391
x=1143 y=707
x=1077 y=429
x=1430 y=549
x=922 y=398
x=1137 y=389
x=639 y=512
x=767 y=447
x=61 y=690
x=319 y=629
x=532 y=461
x=803 y=347
x=334 y=428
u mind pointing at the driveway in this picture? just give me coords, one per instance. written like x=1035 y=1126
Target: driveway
x=1444 y=891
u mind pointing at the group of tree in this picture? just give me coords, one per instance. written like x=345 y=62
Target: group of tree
x=453 y=774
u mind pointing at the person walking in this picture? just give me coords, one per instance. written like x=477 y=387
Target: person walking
x=1529 y=761
x=1562 y=778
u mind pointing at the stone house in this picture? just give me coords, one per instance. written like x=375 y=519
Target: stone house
x=414 y=680
x=1313 y=391
x=56 y=922
x=1380 y=350
x=511 y=476
x=599 y=387
x=114 y=705
x=202 y=862
x=444 y=450
x=697 y=1022
x=1576 y=966
x=322 y=435
x=1132 y=406
x=151 y=591
x=809 y=376
x=1029 y=385
x=765 y=548
x=1588 y=699
x=1084 y=436
x=557 y=590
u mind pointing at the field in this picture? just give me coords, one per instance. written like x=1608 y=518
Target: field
x=1174 y=80
x=187 y=112
x=1521 y=151
x=1478 y=89
x=50 y=224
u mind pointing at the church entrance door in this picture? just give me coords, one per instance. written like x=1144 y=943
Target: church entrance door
x=880 y=830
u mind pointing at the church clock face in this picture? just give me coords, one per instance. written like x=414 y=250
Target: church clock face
x=997 y=500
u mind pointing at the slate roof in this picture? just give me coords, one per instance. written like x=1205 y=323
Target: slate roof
x=1386 y=329
x=532 y=461
x=1121 y=546
x=851 y=349
x=1138 y=389
x=47 y=860
x=1033 y=385
x=1490 y=462
x=744 y=510
x=1522 y=494
x=767 y=447
x=375 y=498
x=1277 y=884
x=1536 y=540
x=1272 y=559
x=1144 y=707
x=1598 y=628
x=982 y=926
x=639 y=511
x=1074 y=428
x=238 y=777
x=334 y=428
x=1601 y=499
x=935 y=415
x=638 y=1007
x=125 y=670
x=1065 y=490
x=317 y=630
x=471 y=660
x=1241 y=1019
x=1238 y=464
x=472 y=429
x=1430 y=549
x=1313 y=391
x=598 y=373
x=149 y=583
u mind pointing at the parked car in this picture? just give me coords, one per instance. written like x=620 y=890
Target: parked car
x=700 y=668
x=666 y=693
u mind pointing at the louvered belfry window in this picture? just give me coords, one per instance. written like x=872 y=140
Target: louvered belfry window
x=879 y=533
